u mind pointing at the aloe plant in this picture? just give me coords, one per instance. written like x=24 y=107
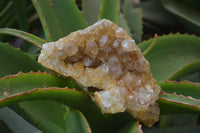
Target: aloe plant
x=34 y=99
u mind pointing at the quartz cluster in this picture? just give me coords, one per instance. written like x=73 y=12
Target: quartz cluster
x=104 y=57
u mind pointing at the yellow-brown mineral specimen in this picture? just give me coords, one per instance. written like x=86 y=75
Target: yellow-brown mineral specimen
x=105 y=57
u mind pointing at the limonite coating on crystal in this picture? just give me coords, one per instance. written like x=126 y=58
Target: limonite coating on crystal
x=103 y=56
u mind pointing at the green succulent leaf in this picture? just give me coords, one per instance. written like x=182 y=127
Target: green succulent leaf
x=76 y=122
x=154 y=12
x=29 y=83
x=20 y=61
x=3 y=4
x=39 y=89
x=47 y=115
x=124 y=24
x=23 y=35
x=181 y=129
x=185 y=70
x=134 y=19
x=13 y=60
x=170 y=53
x=187 y=13
x=90 y=9
x=70 y=97
x=34 y=86
x=176 y=120
x=47 y=94
x=181 y=88
x=59 y=17
x=145 y=45
x=15 y=123
x=110 y=10
x=4 y=128
x=7 y=14
x=133 y=127
x=178 y=104
x=4 y=8
x=21 y=11
x=194 y=77
x=38 y=86
x=117 y=121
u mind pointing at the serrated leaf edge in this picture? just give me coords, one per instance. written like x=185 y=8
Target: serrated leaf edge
x=151 y=45
x=88 y=126
x=177 y=33
x=39 y=89
x=22 y=73
x=182 y=68
x=182 y=103
x=179 y=82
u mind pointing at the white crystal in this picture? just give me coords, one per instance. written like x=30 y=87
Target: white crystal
x=142 y=90
x=70 y=48
x=59 y=44
x=130 y=96
x=129 y=45
x=116 y=43
x=123 y=91
x=119 y=30
x=128 y=79
x=42 y=57
x=114 y=63
x=99 y=24
x=92 y=47
x=103 y=40
x=130 y=62
x=48 y=48
x=148 y=88
x=115 y=68
x=103 y=53
x=87 y=61
x=107 y=23
x=120 y=33
x=59 y=53
x=106 y=97
x=142 y=101
x=111 y=101
x=105 y=68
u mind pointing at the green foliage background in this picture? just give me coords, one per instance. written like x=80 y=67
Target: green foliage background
x=34 y=99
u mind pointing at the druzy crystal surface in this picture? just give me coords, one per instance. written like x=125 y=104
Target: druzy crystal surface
x=104 y=57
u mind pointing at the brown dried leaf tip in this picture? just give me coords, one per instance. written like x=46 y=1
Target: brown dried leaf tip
x=105 y=57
